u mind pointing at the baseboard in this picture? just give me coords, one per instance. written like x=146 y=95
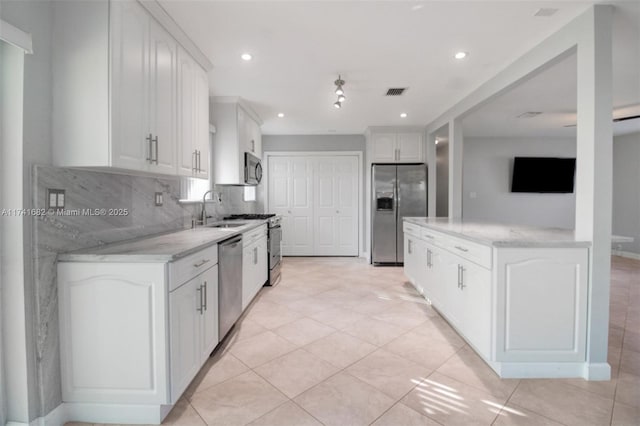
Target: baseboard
x=597 y=371
x=364 y=255
x=627 y=254
x=100 y=413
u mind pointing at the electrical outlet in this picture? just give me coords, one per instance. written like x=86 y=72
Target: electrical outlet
x=55 y=199
x=159 y=199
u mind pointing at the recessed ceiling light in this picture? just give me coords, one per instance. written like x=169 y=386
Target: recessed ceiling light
x=403 y=115
x=417 y=7
x=460 y=55
x=280 y=114
x=246 y=56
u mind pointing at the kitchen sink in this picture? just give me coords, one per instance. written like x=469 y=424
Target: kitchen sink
x=225 y=225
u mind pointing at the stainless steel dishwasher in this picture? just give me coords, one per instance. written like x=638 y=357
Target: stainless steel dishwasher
x=229 y=283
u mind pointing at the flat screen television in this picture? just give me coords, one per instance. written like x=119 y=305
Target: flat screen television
x=543 y=175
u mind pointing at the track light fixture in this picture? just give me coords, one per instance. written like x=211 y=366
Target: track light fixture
x=339 y=91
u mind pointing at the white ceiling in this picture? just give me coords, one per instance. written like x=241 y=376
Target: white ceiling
x=299 y=48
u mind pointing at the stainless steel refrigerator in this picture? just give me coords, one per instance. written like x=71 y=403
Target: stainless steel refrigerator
x=399 y=190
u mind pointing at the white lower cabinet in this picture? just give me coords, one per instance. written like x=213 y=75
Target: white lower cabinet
x=255 y=268
x=134 y=335
x=524 y=310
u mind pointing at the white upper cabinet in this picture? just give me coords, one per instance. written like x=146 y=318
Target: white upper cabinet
x=390 y=146
x=237 y=132
x=118 y=86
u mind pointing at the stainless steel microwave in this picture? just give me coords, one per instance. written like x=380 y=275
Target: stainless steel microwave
x=252 y=169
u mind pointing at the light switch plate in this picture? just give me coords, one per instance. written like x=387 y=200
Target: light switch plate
x=159 y=199
x=55 y=199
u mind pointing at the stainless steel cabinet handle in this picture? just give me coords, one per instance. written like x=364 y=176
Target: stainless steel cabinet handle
x=199 y=290
x=429 y=236
x=253 y=145
x=199 y=161
x=197 y=265
x=429 y=264
x=155 y=141
x=204 y=297
x=462 y=249
x=458 y=276
x=194 y=161
x=149 y=140
x=462 y=286
x=255 y=255
x=409 y=246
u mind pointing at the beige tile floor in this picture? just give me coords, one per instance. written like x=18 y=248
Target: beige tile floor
x=339 y=342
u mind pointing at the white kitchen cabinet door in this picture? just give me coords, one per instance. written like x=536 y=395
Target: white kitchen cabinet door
x=262 y=259
x=476 y=300
x=248 y=275
x=434 y=275
x=411 y=260
x=452 y=297
x=201 y=122
x=193 y=118
x=163 y=53
x=186 y=114
x=209 y=318
x=409 y=146
x=185 y=329
x=130 y=85
x=113 y=332
x=384 y=148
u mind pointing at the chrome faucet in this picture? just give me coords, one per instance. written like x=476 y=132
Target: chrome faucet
x=203 y=214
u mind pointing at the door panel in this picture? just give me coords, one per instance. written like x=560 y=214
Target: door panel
x=185 y=336
x=410 y=147
x=384 y=147
x=186 y=81
x=412 y=198
x=209 y=281
x=130 y=85
x=383 y=216
x=163 y=98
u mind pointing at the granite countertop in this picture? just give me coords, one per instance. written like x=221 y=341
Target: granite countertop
x=162 y=248
x=501 y=235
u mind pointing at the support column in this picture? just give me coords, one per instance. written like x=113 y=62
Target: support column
x=594 y=177
x=455 y=168
x=431 y=174
x=13 y=310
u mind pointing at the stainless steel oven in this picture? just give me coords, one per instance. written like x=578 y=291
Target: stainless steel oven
x=252 y=169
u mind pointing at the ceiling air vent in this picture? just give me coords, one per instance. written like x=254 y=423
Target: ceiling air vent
x=545 y=12
x=395 y=91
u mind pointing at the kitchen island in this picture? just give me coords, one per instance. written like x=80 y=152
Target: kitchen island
x=517 y=294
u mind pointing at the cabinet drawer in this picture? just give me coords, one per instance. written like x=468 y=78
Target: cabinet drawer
x=183 y=270
x=254 y=235
x=432 y=237
x=468 y=250
x=410 y=228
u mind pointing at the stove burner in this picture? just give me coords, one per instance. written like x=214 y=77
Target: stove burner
x=249 y=216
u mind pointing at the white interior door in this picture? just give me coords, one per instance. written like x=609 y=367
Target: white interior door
x=335 y=206
x=290 y=181
x=317 y=197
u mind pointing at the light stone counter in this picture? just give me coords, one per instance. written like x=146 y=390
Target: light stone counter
x=501 y=235
x=159 y=248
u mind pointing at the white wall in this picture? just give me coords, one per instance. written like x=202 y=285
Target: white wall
x=488 y=165
x=626 y=189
